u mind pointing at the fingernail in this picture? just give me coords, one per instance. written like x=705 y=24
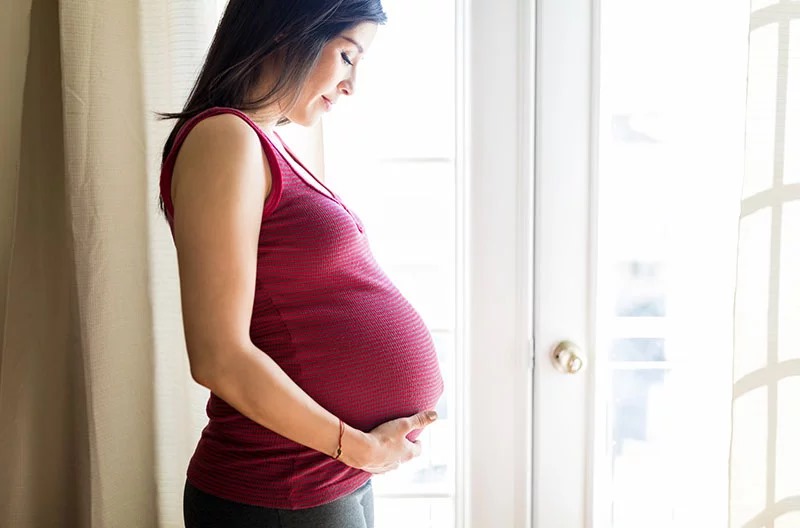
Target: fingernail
x=432 y=415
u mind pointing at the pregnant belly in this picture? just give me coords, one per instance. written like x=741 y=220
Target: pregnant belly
x=396 y=376
x=366 y=369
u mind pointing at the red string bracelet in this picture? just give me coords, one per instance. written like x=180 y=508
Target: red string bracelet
x=341 y=434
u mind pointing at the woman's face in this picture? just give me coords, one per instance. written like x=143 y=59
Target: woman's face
x=334 y=75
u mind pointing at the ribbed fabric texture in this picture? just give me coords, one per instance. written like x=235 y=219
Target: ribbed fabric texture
x=329 y=316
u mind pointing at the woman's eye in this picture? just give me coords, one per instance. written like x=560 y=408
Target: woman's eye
x=346 y=59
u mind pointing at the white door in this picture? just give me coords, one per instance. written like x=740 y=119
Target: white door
x=639 y=139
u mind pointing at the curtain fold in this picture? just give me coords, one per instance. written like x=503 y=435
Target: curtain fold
x=14 y=41
x=42 y=447
x=764 y=457
x=106 y=180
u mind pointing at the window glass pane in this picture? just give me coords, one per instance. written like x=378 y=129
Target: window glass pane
x=671 y=163
x=641 y=289
x=638 y=349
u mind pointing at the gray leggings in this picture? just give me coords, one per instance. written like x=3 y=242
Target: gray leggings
x=201 y=510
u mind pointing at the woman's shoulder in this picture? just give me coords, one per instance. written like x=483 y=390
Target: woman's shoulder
x=221 y=137
x=222 y=130
x=221 y=145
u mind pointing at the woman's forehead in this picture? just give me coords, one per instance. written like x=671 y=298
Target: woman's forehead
x=360 y=36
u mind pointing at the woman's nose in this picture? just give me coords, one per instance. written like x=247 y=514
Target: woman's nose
x=348 y=86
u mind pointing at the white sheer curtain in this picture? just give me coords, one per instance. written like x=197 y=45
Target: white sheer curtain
x=765 y=448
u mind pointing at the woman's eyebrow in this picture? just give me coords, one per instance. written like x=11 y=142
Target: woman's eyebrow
x=356 y=44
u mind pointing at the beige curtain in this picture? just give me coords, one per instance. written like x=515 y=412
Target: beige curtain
x=765 y=449
x=38 y=374
x=98 y=412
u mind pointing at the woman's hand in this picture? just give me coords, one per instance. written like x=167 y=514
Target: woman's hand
x=386 y=447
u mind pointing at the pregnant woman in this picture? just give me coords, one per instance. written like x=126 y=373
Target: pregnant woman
x=321 y=373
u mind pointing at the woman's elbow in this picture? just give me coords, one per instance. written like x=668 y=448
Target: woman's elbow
x=209 y=364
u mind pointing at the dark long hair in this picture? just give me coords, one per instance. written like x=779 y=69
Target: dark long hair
x=252 y=31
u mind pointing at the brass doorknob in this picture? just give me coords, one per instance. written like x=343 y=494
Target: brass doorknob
x=567 y=357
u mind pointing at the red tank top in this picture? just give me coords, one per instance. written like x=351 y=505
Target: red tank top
x=329 y=316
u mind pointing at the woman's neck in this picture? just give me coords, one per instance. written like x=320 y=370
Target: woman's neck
x=265 y=122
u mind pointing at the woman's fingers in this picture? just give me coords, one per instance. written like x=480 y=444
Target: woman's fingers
x=419 y=421
x=413 y=451
x=395 y=447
